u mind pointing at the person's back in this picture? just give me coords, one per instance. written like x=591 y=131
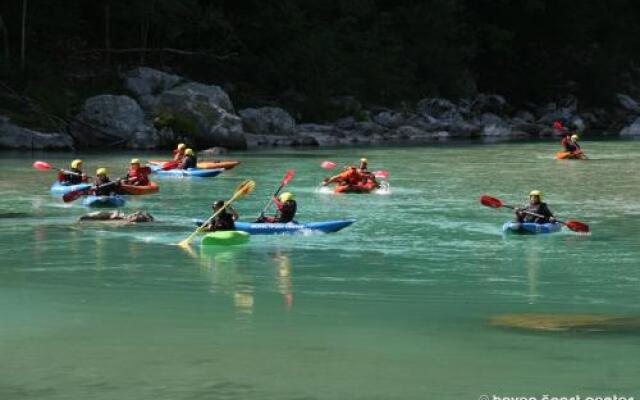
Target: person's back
x=189 y=161
x=224 y=220
x=102 y=184
x=287 y=211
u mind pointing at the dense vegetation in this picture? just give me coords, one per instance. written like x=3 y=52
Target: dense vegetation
x=301 y=52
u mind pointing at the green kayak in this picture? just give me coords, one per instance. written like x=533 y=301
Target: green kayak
x=225 y=238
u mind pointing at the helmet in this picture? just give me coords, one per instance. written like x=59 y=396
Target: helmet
x=188 y=152
x=286 y=196
x=101 y=171
x=575 y=137
x=535 y=193
x=76 y=163
x=182 y=146
x=218 y=204
x=135 y=161
x=363 y=160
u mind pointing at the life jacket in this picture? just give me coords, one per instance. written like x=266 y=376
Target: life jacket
x=72 y=177
x=103 y=186
x=224 y=222
x=189 y=162
x=540 y=208
x=286 y=211
x=351 y=176
x=138 y=175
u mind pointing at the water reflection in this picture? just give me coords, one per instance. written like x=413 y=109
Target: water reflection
x=283 y=277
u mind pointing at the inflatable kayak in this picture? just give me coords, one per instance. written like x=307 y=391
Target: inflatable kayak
x=103 y=201
x=187 y=173
x=367 y=187
x=151 y=188
x=58 y=189
x=530 y=227
x=570 y=155
x=290 y=227
x=225 y=238
x=225 y=164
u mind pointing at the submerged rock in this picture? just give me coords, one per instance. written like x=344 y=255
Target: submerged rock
x=568 y=322
x=16 y=137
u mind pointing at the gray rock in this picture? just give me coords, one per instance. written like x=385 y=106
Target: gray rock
x=16 y=137
x=148 y=84
x=489 y=103
x=214 y=151
x=206 y=111
x=389 y=119
x=346 y=123
x=628 y=103
x=528 y=128
x=346 y=105
x=113 y=121
x=440 y=109
x=632 y=130
x=268 y=121
x=365 y=129
x=524 y=116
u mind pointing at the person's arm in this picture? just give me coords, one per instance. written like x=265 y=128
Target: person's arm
x=547 y=213
x=234 y=213
x=277 y=203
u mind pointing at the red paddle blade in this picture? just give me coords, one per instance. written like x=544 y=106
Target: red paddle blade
x=170 y=165
x=71 y=196
x=382 y=174
x=328 y=165
x=577 y=226
x=287 y=177
x=489 y=201
x=41 y=165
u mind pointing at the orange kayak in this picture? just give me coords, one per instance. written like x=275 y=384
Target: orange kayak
x=151 y=188
x=569 y=155
x=226 y=164
x=359 y=188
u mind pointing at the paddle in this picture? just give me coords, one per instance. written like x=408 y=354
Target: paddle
x=285 y=180
x=492 y=202
x=44 y=166
x=243 y=189
x=382 y=174
x=328 y=165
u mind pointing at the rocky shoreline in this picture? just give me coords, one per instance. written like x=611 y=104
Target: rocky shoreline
x=163 y=109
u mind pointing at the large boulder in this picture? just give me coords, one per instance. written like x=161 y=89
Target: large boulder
x=114 y=121
x=628 y=103
x=268 y=121
x=389 y=119
x=16 y=137
x=488 y=103
x=632 y=130
x=440 y=109
x=148 y=84
x=203 y=113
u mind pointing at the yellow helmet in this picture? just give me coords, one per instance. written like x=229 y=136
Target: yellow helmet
x=135 y=161
x=76 y=163
x=535 y=193
x=364 y=160
x=101 y=171
x=575 y=137
x=182 y=146
x=188 y=152
x=286 y=196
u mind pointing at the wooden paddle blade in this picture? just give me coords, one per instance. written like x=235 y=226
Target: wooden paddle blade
x=245 y=188
x=328 y=165
x=489 y=201
x=577 y=226
x=71 y=196
x=42 y=166
x=287 y=177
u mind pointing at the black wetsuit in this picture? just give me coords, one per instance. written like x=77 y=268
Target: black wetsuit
x=72 y=177
x=189 y=162
x=104 y=187
x=287 y=211
x=540 y=208
x=222 y=222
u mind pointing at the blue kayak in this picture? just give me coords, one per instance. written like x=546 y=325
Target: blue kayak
x=530 y=227
x=58 y=189
x=270 y=228
x=191 y=172
x=103 y=201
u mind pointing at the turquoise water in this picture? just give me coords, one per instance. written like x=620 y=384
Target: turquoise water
x=394 y=307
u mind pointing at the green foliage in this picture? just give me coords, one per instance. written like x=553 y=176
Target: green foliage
x=179 y=124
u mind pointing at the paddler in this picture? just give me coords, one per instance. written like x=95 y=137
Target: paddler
x=224 y=221
x=74 y=176
x=574 y=144
x=366 y=176
x=178 y=153
x=137 y=175
x=536 y=206
x=102 y=185
x=287 y=207
x=189 y=161
x=349 y=177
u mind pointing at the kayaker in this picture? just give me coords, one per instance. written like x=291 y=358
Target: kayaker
x=535 y=206
x=189 y=161
x=137 y=175
x=102 y=185
x=225 y=221
x=574 y=143
x=350 y=176
x=135 y=217
x=366 y=177
x=178 y=153
x=287 y=207
x=566 y=142
x=73 y=176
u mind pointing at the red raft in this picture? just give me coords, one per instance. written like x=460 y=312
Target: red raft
x=365 y=187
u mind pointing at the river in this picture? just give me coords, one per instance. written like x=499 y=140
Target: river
x=397 y=306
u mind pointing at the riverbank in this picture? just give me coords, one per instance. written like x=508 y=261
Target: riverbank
x=156 y=109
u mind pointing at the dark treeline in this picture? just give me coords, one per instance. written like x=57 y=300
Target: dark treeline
x=382 y=51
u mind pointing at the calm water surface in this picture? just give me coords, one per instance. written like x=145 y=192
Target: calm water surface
x=394 y=307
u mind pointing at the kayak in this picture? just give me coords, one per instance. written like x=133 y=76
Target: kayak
x=275 y=228
x=188 y=173
x=58 y=189
x=103 y=201
x=151 y=188
x=225 y=238
x=531 y=227
x=226 y=164
x=367 y=187
x=570 y=155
